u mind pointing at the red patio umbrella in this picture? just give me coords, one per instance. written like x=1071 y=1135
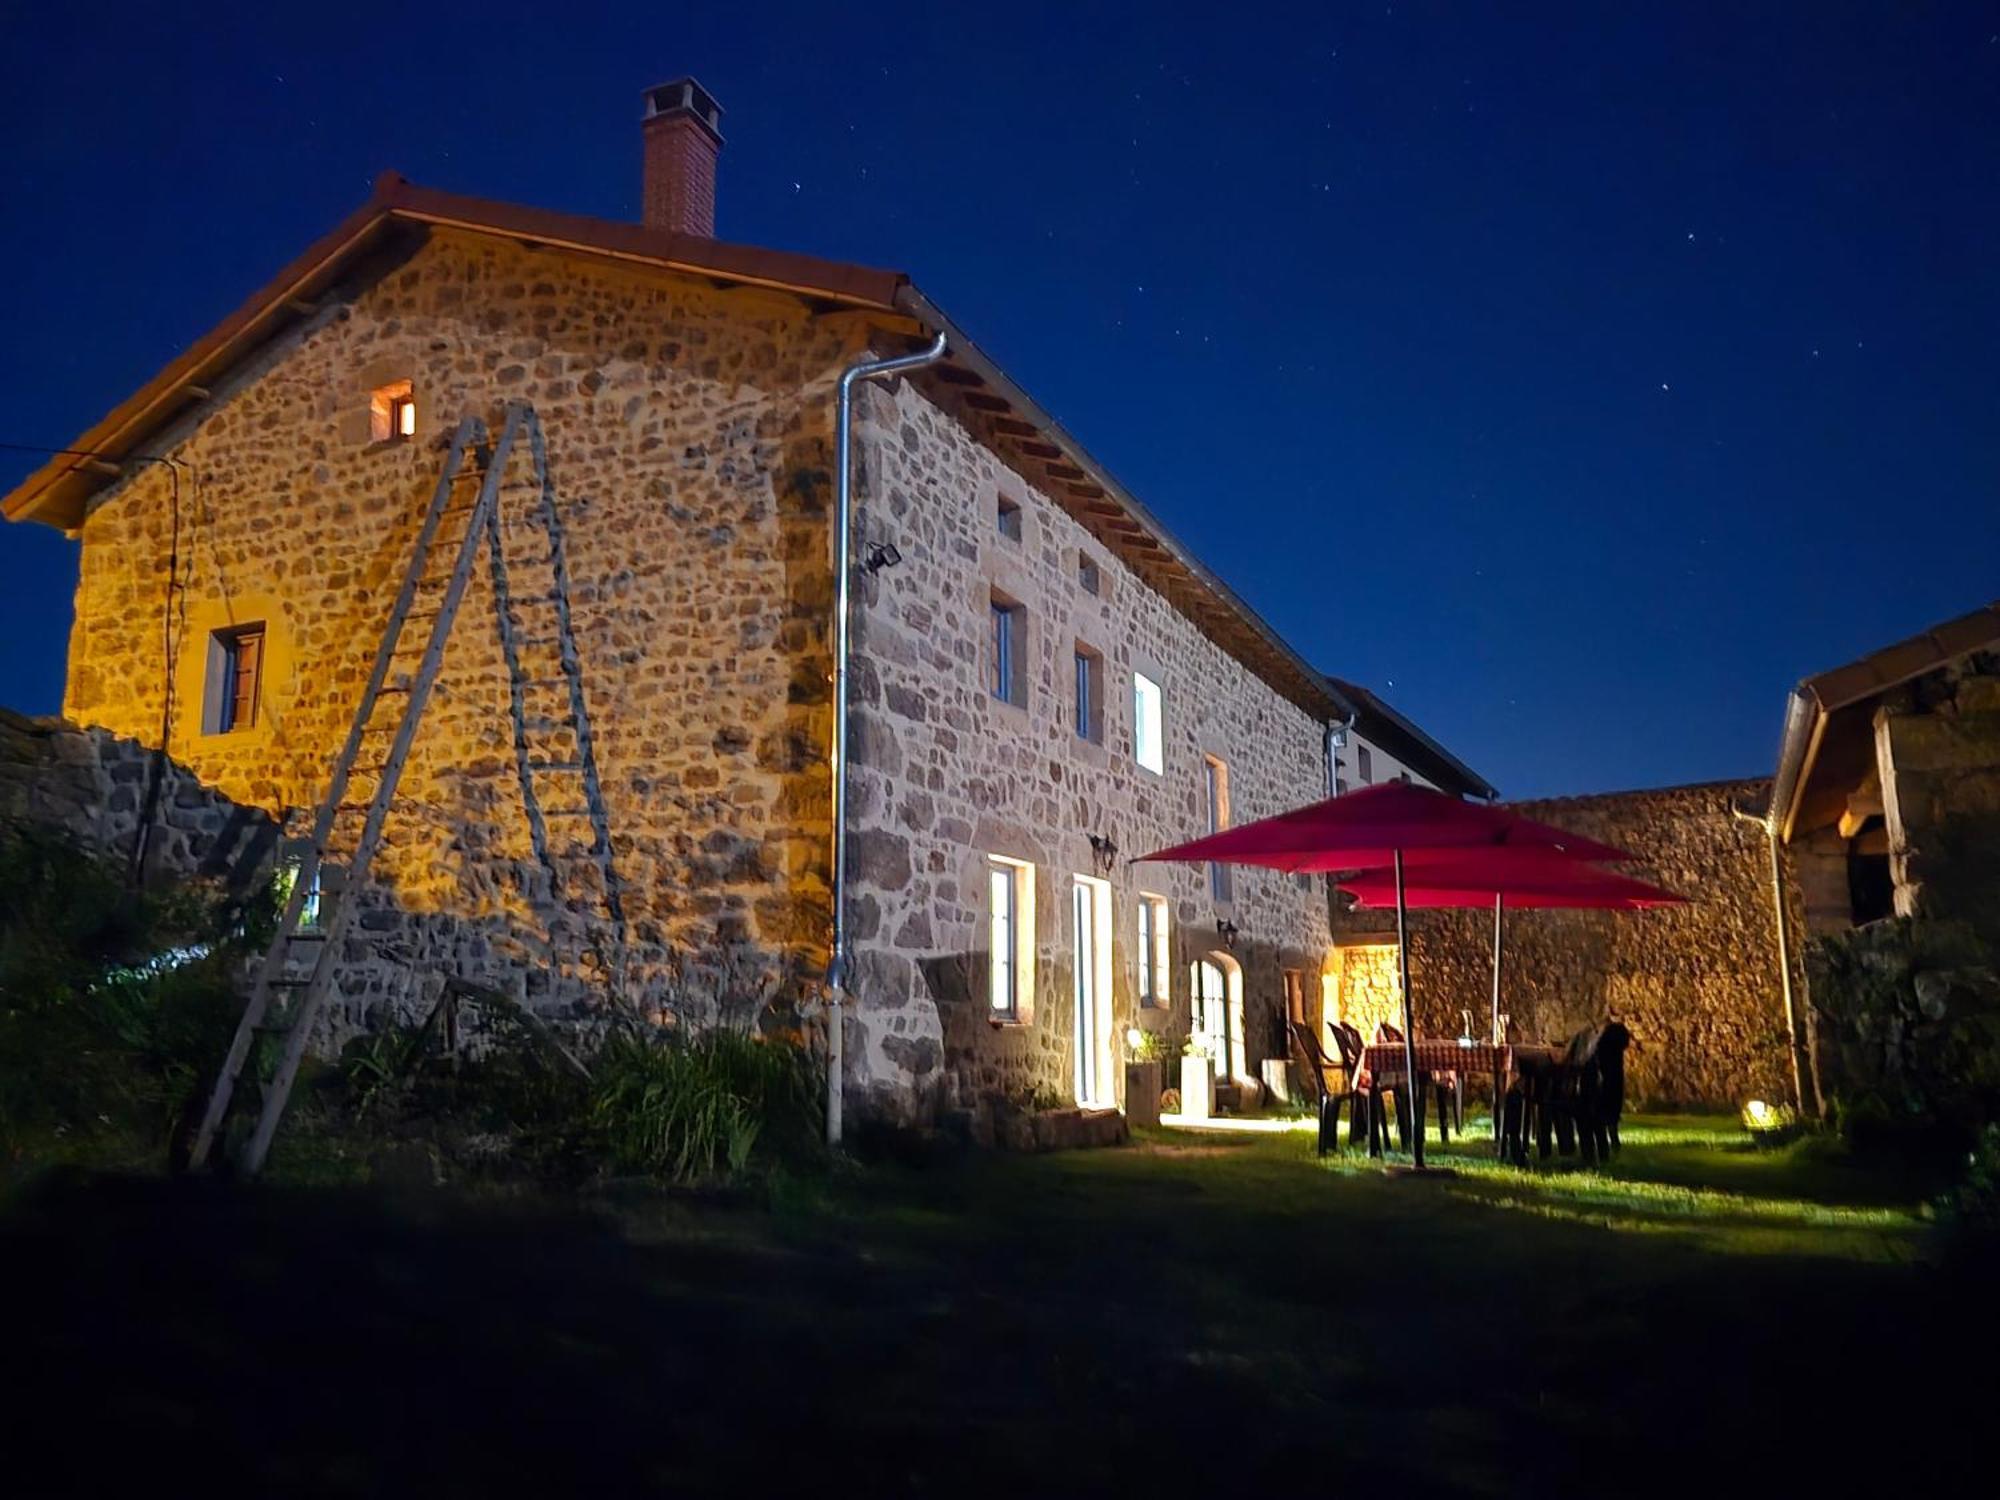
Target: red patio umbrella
x=1390 y=825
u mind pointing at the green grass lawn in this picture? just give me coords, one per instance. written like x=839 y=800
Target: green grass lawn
x=1193 y=1314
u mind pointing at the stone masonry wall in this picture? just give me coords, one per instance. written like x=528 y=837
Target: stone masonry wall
x=946 y=775
x=1698 y=984
x=689 y=433
x=90 y=787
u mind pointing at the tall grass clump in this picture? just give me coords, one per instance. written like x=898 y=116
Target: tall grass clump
x=697 y=1107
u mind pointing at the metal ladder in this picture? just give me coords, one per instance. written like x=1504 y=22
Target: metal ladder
x=413 y=604
x=554 y=750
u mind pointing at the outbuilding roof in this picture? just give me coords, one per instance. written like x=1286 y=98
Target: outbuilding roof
x=1829 y=732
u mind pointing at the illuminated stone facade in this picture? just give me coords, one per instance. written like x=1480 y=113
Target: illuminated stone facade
x=947 y=774
x=689 y=432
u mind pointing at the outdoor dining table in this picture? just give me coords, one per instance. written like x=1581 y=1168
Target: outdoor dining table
x=1384 y=1062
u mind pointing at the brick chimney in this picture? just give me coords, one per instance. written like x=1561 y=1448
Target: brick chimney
x=683 y=136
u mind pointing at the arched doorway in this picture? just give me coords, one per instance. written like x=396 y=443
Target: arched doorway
x=1216 y=985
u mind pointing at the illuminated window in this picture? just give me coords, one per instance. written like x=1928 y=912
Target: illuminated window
x=1089 y=695
x=1215 y=777
x=235 y=679
x=1008 y=515
x=286 y=880
x=1008 y=667
x=1153 y=965
x=1148 y=733
x=392 y=412
x=1010 y=949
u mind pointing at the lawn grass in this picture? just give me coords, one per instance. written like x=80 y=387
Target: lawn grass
x=1207 y=1314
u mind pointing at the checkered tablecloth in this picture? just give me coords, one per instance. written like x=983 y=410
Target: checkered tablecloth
x=1384 y=1060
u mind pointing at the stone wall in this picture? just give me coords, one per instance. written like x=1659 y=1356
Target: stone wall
x=91 y=787
x=947 y=775
x=688 y=439
x=1938 y=754
x=1698 y=985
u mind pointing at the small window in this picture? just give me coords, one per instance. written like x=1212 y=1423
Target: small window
x=1364 y=764
x=1087 y=577
x=1215 y=776
x=1148 y=712
x=392 y=412
x=1010 y=938
x=1153 y=963
x=235 y=679
x=1089 y=695
x=1008 y=679
x=1009 y=516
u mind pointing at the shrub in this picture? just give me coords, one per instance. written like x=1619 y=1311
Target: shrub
x=115 y=1005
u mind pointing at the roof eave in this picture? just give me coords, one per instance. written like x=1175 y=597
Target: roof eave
x=912 y=301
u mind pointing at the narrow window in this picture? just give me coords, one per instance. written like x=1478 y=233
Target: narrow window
x=1008 y=515
x=1089 y=695
x=1009 y=675
x=1153 y=969
x=1009 y=952
x=1295 y=995
x=1216 y=778
x=286 y=881
x=235 y=678
x=1364 y=764
x=392 y=412
x=1087 y=577
x=1148 y=741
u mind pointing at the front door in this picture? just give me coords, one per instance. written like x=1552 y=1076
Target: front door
x=1211 y=1013
x=1088 y=899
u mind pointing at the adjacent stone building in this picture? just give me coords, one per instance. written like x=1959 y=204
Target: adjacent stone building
x=1045 y=682
x=1888 y=803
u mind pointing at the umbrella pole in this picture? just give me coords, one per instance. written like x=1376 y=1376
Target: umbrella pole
x=1413 y=1099
x=1498 y=1040
x=1499 y=1104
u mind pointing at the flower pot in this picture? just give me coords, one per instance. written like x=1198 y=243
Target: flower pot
x=1143 y=1083
x=1197 y=1087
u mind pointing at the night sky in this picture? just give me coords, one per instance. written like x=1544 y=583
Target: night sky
x=1578 y=385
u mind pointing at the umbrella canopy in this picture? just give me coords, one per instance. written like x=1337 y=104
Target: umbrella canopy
x=1372 y=826
x=1537 y=883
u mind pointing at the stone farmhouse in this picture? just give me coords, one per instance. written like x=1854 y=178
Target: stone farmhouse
x=1043 y=682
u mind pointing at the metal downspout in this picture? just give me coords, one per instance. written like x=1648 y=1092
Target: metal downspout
x=1768 y=823
x=843 y=576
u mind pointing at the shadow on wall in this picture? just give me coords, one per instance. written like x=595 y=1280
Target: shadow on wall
x=511 y=936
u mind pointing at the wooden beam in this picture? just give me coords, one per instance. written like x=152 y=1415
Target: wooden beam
x=986 y=401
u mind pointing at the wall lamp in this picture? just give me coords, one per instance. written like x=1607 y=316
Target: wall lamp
x=1105 y=849
x=882 y=555
x=1228 y=931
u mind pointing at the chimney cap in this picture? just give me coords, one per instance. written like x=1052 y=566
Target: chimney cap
x=684 y=98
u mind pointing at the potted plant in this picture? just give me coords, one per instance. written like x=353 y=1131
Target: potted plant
x=1197 y=1081
x=1144 y=1076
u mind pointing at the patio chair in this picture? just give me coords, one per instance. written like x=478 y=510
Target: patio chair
x=1450 y=1090
x=1372 y=1090
x=1571 y=1103
x=1334 y=1084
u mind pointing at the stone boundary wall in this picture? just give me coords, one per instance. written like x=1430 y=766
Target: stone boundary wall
x=89 y=785
x=1698 y=985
